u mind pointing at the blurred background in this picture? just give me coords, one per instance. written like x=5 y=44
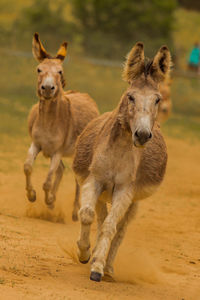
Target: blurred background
x=100 y=33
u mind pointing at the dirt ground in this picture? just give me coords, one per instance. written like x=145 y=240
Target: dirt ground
x=159 y=258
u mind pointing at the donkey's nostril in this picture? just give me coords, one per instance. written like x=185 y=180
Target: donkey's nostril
x=43 y=87
x=136 y=134
x=142 y=136
x=52 y=88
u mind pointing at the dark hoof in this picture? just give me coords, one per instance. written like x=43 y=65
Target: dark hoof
x=108 y=278
x=74 y=217
x=31 y=196
x=95 y=276
x=49 y=200
x=84 y=261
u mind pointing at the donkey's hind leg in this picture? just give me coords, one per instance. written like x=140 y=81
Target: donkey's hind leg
x=91 y=190
x=57 y=180
x=76 y=204
x=121 y=229
x=47 y=186
x=32 y=154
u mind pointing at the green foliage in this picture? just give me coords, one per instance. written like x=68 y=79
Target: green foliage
x=46 y=19
x=192 y=4
x=185 y=34
x=110 y=27
x=104 y=28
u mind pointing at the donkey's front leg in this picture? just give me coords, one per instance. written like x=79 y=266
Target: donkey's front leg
x=32 y=154
x=121 y=229
x=47 y=186
x=90 y=192
x=121 y=201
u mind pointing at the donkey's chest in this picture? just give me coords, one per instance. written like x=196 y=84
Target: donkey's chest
x=50 y=141
x=117 y=167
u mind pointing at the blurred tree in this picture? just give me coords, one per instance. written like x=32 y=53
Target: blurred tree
x=47 y=19
x=190 y=4
x=110 y=27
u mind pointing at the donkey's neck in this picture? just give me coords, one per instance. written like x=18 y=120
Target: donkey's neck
x=49 y=109
x=120 y=132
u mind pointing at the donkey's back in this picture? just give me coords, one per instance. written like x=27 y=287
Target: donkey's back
x=83 y=109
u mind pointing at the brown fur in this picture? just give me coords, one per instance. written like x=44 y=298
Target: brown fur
x=60 y=119
x=56 y=121
x=110 y=164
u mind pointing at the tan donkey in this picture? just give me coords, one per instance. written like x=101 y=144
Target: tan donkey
x=165 y=106
x=121 y=157
x=55 y=121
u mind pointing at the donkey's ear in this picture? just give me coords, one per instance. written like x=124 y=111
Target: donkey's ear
x=161 y=64
x=38 y=50
x=134 y=65
x=62 y=51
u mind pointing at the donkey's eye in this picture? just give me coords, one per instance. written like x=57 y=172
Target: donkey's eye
x=39 y=71
x=60 y=72
x=157 y=100
x=131 y=98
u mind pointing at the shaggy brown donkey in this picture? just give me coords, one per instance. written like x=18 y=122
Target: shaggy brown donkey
x=121 y=157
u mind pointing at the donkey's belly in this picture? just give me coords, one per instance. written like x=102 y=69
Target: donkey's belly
x=145 y=192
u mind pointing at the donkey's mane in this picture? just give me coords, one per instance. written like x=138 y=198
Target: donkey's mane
x=63 y=82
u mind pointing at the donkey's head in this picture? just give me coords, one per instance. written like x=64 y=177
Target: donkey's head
x=50 y=71
x=141 y=100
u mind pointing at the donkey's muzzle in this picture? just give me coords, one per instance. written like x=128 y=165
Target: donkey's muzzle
x=142 y=137
x=47 y=91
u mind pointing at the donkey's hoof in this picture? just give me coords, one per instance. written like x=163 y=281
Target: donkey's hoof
x=74 y=217
x=49 y=200
x=95 y=276
x=51 y=206
x=84 y=261
x=31 y=196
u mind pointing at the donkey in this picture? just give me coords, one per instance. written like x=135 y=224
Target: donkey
x=165 y=106
x=55 y=122
x=121 y=157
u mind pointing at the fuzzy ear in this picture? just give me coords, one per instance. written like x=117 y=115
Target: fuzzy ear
x=134 y=65
x=62 y=51
x=38 y=50
x=161 y=64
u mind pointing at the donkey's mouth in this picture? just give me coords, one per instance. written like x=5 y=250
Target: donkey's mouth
x=47 y=97
x=138 y=145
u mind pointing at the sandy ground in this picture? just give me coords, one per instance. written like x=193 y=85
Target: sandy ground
x=159 y=258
